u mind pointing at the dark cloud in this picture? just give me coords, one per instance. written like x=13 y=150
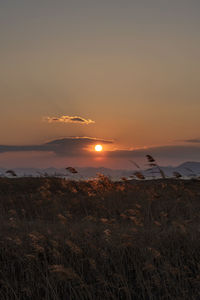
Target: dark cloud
x=77 y=146
x=77 y=119
x=69 y=119
x=168 y=152
x=195 y=141
x=70 y=146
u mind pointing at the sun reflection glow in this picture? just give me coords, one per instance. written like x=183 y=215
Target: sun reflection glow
x=98 y=148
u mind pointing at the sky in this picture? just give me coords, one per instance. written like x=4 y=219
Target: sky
x=122 y=73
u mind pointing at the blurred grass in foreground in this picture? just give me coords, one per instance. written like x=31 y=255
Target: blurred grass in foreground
x=99 y=239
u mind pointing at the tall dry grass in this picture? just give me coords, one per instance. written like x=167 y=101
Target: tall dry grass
x=99 y=240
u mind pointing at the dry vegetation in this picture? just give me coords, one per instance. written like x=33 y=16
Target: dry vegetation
x=99 y=240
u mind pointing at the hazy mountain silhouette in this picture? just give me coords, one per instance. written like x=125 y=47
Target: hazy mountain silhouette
x=186 y=169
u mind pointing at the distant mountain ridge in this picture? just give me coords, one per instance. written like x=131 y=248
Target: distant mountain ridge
x=186 y=169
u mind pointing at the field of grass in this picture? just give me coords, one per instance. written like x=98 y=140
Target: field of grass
x=99 y=240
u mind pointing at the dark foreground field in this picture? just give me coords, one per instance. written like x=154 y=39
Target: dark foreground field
x=99 y=240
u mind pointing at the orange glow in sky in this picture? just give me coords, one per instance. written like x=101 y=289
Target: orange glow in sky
x=99 y=91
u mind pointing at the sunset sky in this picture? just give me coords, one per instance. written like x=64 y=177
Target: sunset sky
x=124 y=74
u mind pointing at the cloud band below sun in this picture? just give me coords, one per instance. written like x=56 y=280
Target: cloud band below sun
x=70 y=146
x=69 y=119
x=77 y=147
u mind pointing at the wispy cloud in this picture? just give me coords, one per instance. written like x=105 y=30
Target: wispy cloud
x=195 y=141
x=69 y=119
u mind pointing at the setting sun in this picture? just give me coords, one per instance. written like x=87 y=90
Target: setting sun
x=98 y=148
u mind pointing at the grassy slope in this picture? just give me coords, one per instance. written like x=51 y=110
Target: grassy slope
x=99 y=240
